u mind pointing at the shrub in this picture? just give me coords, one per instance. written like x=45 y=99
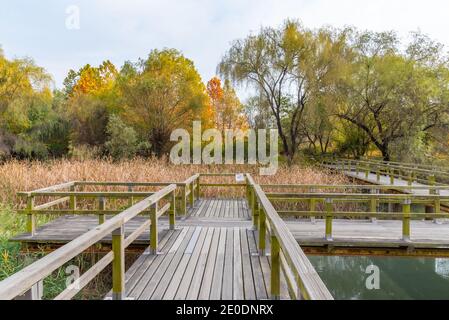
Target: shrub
x=122 y=140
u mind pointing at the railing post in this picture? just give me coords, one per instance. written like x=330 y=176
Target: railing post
x=34 y=293
x=312 y=208
x=391 y=176
x=192 y=194
x=153 y=230
x=131 y=199
x=275 y=278
x=432 y=183
x=118 y=264
x=378 y=173
x=254 y=209
x=406 y=219
x=198 y=188
x=183 y=200
x=410 y=178
x=373 y=204
x=31 y=217
x=172 y=215
x=357 y=168
x=262 y=231
x=72 y=201
x=367 y=170
x=329 y=210
x=101 y=207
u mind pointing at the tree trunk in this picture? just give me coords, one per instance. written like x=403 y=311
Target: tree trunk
x=385 y=152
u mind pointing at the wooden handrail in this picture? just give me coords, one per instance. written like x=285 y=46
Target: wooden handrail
x=355 y=186
x=23 y=280
x=308 y=284
x=51 y=188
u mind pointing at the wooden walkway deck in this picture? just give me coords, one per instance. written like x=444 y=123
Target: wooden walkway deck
x=208 y=212
x=201 y=263
x=230 y=214
x=385 y=180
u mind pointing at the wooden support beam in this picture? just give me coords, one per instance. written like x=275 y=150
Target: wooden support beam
x=329 y=217
x=172 y=214
x=153 y=229
x=275 y=279
x=118 y=264
x=31 y=217
x=262 y=230
x=101 y=207
x=406 y=220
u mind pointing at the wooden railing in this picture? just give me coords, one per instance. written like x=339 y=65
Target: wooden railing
x=286 y=255
x=68 y=196
x=23 y=282
x=410 y=174
x=373 y=205
x=411 y=165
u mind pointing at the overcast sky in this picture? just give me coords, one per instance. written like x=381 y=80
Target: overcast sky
x=121 y=30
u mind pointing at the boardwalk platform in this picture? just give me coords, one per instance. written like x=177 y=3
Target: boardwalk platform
x=201 y=263
x=229 y=214
x=218 y=248
x=385 y=180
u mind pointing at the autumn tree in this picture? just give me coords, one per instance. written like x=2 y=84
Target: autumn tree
x=228 y=110
x=90 y=99
x=160 y=94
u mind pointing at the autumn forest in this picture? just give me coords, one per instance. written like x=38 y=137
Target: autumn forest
x=327 y=91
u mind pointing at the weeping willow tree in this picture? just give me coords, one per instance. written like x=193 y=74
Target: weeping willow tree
x=286 y=66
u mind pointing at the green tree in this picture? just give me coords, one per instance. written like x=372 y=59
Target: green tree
x=122 y=140
x=287 y=66
x=393 y=95
x=160 y=94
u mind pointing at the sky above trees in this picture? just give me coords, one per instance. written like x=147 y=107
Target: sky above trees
x=202 y=30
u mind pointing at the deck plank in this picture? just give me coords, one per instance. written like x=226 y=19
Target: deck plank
x=209 y=270
x=165 y=269
x=183 y=274
x=238 y=289
x=217 y=279
x=248 y=274
x=200 y=273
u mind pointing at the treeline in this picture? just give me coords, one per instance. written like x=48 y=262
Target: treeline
x=346 y=91
x=103 y=111
x=340 y=91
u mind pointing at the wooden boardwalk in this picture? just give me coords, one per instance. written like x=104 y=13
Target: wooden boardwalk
x=230 y=214
x=207 y=212
x=385 y=180
x=201 y=263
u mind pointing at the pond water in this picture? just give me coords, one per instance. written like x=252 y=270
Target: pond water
x=398 y=277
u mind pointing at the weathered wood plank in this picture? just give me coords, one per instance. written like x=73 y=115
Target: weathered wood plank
x=147 y=285
x=199 y=274
x=209 y=271
x=217 y=280
x=226 y=293
x=248 y=279
x=184 y=270
x=238 y=289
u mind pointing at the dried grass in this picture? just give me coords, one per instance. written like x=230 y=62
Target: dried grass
x=18 y=176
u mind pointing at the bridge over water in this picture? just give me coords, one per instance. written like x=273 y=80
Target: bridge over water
x=249 y=246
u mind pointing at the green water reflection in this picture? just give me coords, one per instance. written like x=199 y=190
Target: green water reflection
x=400 y=278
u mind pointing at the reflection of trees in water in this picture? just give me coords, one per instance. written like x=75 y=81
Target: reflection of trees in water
x=400 y=278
